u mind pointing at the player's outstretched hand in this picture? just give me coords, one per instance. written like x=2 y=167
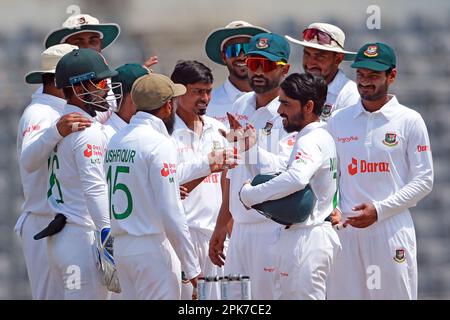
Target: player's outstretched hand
x=151 y=61
x=220 y=160
x=72 y=122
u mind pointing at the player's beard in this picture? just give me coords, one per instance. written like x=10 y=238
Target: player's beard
x=294 y=123
x=263 y=88
x=169 y=122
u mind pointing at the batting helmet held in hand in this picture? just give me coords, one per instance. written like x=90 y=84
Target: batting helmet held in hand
x=295 y=208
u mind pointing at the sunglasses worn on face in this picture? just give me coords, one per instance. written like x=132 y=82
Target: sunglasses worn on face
x=102 y=84
x=253 y=63
x=234 y=50
x=322 y=37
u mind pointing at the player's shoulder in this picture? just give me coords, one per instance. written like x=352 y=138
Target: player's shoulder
x=244 y=100
x=216 y=124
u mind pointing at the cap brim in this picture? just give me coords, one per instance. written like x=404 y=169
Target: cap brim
x=179 y=90
x=216 y=38
x=348 y=55
x=371 y=65
x=265 y=54
x=35 y=77
x=110 y=33
x=107 y=74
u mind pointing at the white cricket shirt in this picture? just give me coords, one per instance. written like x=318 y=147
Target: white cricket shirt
x=36 y=137
x=203 y=203
x=384 y=157
x=222 y=100
x=113 y=125
x=270 y=131
x=141 y=166
x=313 y=162
x=76 y=180
x=342 y=93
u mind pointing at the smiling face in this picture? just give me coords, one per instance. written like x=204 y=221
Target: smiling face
x=373 y=85
x=236 y=65
x=86 y=40
x=321 y=62
x=196 y=98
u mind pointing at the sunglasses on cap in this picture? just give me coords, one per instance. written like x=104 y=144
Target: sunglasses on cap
x=234 y=50
x=253 y=63
x=322 y=37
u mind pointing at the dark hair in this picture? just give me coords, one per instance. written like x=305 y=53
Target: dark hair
x=191 y=71
x=48 y=79
x=304 y=87
x=388 y=71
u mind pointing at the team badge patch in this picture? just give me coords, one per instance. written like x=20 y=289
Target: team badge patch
x=268 y=128
x=400 y=255
x=326 y=110
x=263 y=43
x=371 y=51
x=82 y=20
x=390 y=139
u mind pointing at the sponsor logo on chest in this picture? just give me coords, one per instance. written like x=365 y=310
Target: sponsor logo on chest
x=363 y=167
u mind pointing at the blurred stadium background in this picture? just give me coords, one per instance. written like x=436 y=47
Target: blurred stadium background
x=175 y=29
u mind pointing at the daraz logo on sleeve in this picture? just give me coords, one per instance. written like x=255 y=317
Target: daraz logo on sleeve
x=88 y=151
x=168 y=169
x=165 y=170
x=93 y=150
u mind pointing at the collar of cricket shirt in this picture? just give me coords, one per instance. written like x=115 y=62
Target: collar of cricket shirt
x=48 y=99
x=388 y=110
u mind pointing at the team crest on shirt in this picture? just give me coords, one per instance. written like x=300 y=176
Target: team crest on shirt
x=268 y=128
x=390 y=139
x=263 y=43
x=326 y=110
x=371 y=51
x=400 y=255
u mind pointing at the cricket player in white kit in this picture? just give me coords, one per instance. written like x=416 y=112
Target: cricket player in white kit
x=40 y=129
x=386 y=167
x=305 y=251
x=77 y=191
x=248 y=250
x=196 y=135
x=228 y=46
x=322 y=54
x=147 y=214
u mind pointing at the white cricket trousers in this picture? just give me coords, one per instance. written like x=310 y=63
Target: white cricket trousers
x=72 y=259
x=148 y=268
x=44 y=284
x=378 y=262
x=250 y=253
x=304 y=256
x=200 y=239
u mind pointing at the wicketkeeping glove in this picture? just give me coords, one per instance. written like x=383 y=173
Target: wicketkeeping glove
x=105 y=260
